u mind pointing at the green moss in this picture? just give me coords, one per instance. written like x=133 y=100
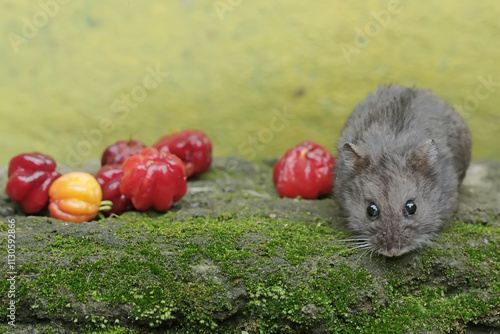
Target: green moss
x=428 y=309
x=91 y=329
x=295 y=275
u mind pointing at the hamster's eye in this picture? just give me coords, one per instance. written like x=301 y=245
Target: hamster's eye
x=410 y=208
x=372 y=211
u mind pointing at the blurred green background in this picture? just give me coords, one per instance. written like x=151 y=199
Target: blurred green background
x=257 y=76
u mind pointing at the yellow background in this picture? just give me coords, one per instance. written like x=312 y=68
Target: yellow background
x=232 y=64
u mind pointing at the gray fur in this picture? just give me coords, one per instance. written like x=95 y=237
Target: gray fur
x=400 y=144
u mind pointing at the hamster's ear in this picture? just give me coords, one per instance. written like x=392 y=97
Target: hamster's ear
x=424 y=158
x=356 y=158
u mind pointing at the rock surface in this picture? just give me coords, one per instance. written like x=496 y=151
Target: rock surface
x=232 y=257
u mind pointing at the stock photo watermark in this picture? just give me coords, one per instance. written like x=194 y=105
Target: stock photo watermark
x=11 y=272
x=483 y=91
x=223 y=6
x=120 y=109
x=364 y=35
x=257 y=141
x=48 y=9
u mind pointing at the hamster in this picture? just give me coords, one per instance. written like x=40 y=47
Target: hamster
x=401 y=157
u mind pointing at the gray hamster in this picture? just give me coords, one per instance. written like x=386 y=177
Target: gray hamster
x=401 y=157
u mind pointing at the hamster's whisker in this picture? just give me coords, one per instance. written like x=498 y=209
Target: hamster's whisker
x=372 y=250
x=350 y=240
x=366 y=252
x=362 y=254
x=359 y=244
x=363 y=246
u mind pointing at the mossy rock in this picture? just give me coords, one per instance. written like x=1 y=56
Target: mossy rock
x=233 y=257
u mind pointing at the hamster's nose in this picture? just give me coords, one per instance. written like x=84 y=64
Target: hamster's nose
x=393 y=252
x=392 y=249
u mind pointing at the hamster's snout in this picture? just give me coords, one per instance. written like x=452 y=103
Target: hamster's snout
x=392 y=251
x=391 y=246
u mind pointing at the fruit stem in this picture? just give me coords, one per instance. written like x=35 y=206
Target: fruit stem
x=105 y=206
x=303 y=153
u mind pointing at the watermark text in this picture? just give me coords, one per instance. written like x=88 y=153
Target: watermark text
x=11 y=272
x=48 y=9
